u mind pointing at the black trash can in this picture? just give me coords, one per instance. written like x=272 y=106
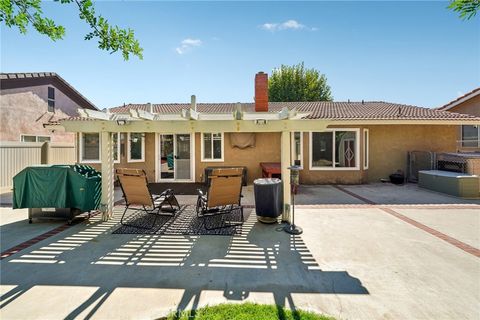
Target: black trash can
x=268 y=199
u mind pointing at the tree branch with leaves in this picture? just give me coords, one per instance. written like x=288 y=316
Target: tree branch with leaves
x=466 y=9
x=23 y=13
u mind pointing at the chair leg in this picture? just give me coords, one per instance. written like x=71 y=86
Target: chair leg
x=137 y=226
x=199 y=207
x=225 y=225
x=173 y=199
x=123 y=215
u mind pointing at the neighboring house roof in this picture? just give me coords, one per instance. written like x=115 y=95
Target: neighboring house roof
x=369 y=110
x=30 y=79
x=461 y=99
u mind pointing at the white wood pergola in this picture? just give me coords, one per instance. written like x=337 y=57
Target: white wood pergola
x=188 y=121
x=192 y=121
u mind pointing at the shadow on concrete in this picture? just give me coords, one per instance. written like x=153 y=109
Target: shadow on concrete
x=261 y=259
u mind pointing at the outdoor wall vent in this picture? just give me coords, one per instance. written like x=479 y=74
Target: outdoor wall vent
x=261 y=121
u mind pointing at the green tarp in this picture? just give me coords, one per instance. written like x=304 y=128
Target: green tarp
x=57 y=186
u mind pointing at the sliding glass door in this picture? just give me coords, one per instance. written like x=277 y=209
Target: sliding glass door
x=175 y=157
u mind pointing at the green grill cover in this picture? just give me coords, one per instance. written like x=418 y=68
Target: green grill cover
x=57 y=186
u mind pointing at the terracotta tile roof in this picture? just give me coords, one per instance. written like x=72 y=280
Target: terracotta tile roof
x=55 y=122
x=369 y=110
x=22 y=75
x=24 y=79
x=466 y=96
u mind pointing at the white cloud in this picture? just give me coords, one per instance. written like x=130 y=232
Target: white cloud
x=187 y=45
x=287 y=25
x=291 y=24
x=270 y=26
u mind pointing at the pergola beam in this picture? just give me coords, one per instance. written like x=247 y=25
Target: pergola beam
x=187 y=126
x=191 y=126
x=141 y=114
x=94 y=114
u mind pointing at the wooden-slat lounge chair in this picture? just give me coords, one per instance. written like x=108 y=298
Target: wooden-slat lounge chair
x=223 y=196
x=134 y=185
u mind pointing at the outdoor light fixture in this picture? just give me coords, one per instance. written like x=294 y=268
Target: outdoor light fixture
x=122 y=122
x=294 y=182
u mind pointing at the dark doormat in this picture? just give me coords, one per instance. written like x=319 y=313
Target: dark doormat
x=185 y=222
x=178 y=188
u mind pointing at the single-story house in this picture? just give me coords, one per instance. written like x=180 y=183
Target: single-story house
x=334 y=142
x=468 y=136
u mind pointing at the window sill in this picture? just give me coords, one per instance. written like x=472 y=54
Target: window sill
x=90 y=161
x=212 y=160
x=334 y=169
x=133 y=161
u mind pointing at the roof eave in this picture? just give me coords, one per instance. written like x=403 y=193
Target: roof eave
x=460 y=100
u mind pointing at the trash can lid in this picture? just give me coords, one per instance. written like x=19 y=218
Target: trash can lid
x=267 y=181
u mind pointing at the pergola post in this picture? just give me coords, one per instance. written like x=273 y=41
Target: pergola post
x=285 y=163
x=106 y=159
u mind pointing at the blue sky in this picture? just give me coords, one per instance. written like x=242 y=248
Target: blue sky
x=407 y=52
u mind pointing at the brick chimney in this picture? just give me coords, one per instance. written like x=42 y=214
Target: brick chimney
x=261 y=92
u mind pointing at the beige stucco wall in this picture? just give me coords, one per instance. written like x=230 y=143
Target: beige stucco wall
x=388 y=149
x=25 y=110
x=148 y=165
x=389 y=145
x=267 y=149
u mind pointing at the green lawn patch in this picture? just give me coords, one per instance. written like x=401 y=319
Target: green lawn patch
x=246 y=311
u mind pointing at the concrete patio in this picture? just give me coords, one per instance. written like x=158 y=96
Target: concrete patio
x=363 y=255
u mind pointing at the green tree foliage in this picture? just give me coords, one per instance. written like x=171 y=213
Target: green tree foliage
x=295 y=83
x=22 y=13
x=466 y=8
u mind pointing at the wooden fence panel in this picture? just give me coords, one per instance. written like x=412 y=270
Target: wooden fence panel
x=62 y=154
x=15 y=156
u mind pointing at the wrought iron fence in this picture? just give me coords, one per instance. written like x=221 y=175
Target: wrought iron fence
x=417 y=161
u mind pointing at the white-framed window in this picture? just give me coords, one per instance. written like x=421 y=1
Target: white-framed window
x=366 y=148
x=91 y=144
x=470 y=136
x=335 y=149
x=33 y=138
x=297 y=148
x=136 y=147
x=51 y=99
x=90 y=147
x=212 y=147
